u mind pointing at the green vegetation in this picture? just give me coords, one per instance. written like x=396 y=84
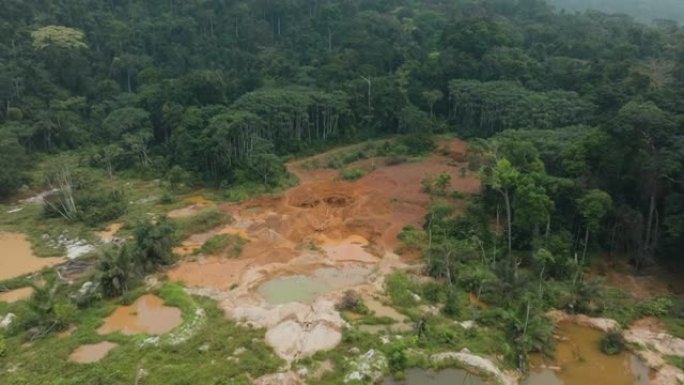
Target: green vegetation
x=352 y=173
x=612 y=343
x=46 y=361
x=201 y=222
x=220 y=243
x=118 y=109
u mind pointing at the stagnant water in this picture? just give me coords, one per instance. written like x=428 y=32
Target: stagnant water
x=146 y=315
x=305 y=289
x=578 y=361
x=87 y=354
x=295 y=288
x=16 y=295
x=442 y=377
x=16 y=257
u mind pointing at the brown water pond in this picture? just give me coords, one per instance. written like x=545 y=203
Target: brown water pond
x=442 y=377
x=87 y=354
x=16 y=257
x=578 y=361
x=146 y=315
x=16 y=295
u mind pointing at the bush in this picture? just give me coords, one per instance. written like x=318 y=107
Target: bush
x=352 y=173
x=3 y=346
x=612 y=343
x=432 y=292
x=418 y=144
x=657 y=307
x=400 y=288
x=219 y=243
x=352 y=302
x=204 y=221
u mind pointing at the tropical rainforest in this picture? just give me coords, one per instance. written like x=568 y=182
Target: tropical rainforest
x=574 y=125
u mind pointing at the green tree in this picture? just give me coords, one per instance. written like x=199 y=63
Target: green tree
x=593 y=207
x=504 y=179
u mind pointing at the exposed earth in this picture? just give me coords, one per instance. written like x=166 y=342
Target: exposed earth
x=345 y=231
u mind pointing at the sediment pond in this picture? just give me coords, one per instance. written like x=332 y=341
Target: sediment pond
x=16 y=257
x=87 y=354
x=578 y=361
x=146 y=315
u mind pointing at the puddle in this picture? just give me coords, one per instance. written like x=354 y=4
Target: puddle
x=347 y=276
x=87 y=354
x=108 y=235
x=304 y=289
x=16 y=295
x=295 y=288
x=350 y=249
x=147 y=315
x=442 y=377
x=580 y=362
x=16 y=257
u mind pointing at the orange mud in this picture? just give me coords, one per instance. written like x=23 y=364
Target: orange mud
x=147 y=315
x=16 y=257
x=197 y=204
x=345 y=221
x=87 y=354
x=16 y=295
x=108 y=235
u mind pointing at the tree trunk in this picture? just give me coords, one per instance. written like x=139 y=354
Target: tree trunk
x=586 y=243
x=507 y=200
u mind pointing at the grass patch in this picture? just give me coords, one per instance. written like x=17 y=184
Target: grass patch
x=204 y=221
x=222 y=242
x=202 y=359
x=352 y=173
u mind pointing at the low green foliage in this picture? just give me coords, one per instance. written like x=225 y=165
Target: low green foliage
x=199 y=223
x=351 y=302
x=612 y=343
x=217 y=244
x=200 y=359
x=352 y=173
x=675 y=361
x=401 y=290
x=3 y=345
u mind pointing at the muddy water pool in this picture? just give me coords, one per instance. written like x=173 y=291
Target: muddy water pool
x=306 y=288
x=87 y=354
x=578 y=361
x=442 y=377
x=16 y=295
x=146 y=315
x=16 y=257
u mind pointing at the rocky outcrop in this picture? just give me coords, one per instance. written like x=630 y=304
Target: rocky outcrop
x=367 y=368
x=480 y=364
x=295 y=330
x=603 y=324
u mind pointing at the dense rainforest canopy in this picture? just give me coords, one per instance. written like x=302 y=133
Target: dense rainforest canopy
x=582 y=111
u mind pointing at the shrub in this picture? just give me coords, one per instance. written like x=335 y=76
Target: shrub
x=399 y=288
x=612 y=343
x=352 y=173
x=351 y=301
x=657 y=307
x=418 y=144
x=3 y=346
x=432 y=292
x=219 y=243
